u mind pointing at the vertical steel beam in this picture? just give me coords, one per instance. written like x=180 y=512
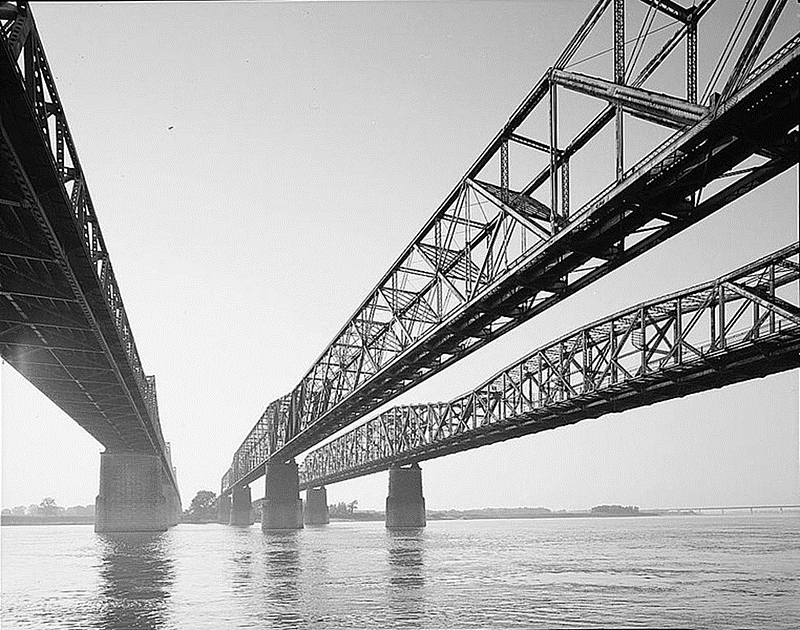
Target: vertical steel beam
x=691 y=60
x=553 y=160
x=540 y=384
x=721 y=317
x=713 y=318
x=504 y=171
x=679 y=332
x=612 y=354
x=619 y=78
x=772 y=294
x=565 y=188
x=756 y=318
x=585 y=364
x=643 y=329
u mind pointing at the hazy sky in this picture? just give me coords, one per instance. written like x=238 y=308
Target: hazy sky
x=256 y=168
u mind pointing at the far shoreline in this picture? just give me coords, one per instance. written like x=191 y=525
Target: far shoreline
x=485 y=514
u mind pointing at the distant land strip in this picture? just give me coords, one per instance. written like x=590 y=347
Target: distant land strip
x=600 y=511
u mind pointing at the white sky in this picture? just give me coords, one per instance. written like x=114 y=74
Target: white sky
x=308 y=145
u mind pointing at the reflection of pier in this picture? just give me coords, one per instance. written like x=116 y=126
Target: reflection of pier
x=136 y=574
x=721 y=509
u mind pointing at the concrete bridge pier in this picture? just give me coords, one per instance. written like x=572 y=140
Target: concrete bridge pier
x=131 y=497
x=282 y=507
x=224 y=509
x=173 y=503
x=242 y=507
x=315 y=510
x=405 y=505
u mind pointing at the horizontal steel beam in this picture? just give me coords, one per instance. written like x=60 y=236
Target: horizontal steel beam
x=654 y=107
x=672 y=9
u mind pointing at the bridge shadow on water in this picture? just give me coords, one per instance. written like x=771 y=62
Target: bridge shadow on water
x=136 y=576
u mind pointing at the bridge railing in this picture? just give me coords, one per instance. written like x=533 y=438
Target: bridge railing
x=658 y=340
x=492 y=256
x=18 y=33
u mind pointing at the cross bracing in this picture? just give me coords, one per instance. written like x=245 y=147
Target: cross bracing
x=63 y=324
x=743 y=325
x=518 y=234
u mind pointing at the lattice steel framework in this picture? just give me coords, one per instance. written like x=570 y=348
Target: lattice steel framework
x=743 y=325
x=62 y=320
x=506 y=244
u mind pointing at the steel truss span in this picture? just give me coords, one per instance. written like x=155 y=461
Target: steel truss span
x=523 y=229
x=741 y=326
x=62 y=321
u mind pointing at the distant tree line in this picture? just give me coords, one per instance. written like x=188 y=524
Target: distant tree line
x=615 y=510
x=342 y=509
x=48 y=508
x=202 y=509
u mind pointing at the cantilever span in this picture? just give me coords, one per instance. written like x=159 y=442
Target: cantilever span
x=62 y=321
x=743 y=325
x=513 y=237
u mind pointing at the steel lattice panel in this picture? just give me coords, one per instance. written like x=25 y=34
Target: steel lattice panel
x=745 y=324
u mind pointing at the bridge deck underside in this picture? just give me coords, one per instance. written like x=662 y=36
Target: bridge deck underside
x=45 y=336
x=56 y=328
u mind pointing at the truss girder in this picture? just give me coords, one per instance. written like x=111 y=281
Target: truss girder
x=493 y=256
x=743 y=325
x=651 y=106
x=62 y=321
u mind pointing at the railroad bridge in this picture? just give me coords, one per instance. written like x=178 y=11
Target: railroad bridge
x=509 y=241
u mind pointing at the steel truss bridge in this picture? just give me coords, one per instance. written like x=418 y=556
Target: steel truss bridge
x=741 y=326
x=62 y=321
x=519 y=232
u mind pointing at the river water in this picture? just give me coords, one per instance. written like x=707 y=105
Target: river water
x=702 y=571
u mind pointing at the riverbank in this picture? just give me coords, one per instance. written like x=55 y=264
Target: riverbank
x=12 y=520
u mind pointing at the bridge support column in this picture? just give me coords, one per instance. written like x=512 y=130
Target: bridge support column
x=173 y=504
x=242 y=507
x=405 y=505
x=131 y=497
x=315 y=511
x=282 y=507
x=224 y=509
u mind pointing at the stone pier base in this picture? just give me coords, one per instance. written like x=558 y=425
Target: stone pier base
x=282 y=507
x=405 y=505
x=224 y=509
x=242 y=507
x=315 y=510
x=131 y=497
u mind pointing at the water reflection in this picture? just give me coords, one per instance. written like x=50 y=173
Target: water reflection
x=281 y=574
x=406 y=549
x=136 y=574
x=242 y=558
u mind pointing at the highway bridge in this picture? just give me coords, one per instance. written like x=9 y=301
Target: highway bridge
x=62 y=319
